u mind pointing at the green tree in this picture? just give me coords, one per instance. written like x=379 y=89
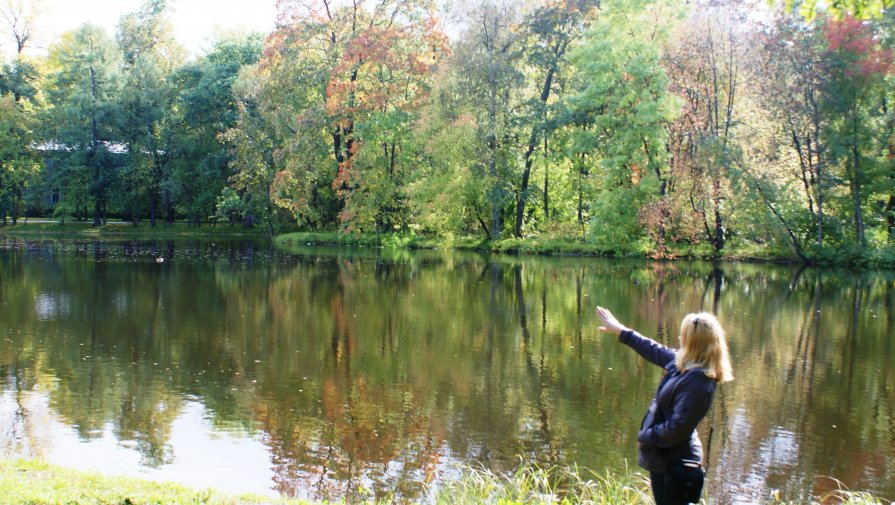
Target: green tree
x=206 y=107
x=861 y=9
x=251 y=144
x=84 y=114
x=550 y=30
x=624 y=108
x=445 y=192
x=18 y=159
x=150 y=56
x=487 y=60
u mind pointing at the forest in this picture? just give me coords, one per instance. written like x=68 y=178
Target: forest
x=653 y=127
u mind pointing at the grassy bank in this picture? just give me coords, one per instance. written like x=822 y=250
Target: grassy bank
x=125 y=229
x=531 y=246
x=510 y=246
x=854 y=257
x=851 y=257
x=29 y=482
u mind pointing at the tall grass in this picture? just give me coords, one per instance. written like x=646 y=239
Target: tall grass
x=531 y=484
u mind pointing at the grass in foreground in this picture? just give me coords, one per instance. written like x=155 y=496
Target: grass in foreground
x=539 y=486
x=36 y=483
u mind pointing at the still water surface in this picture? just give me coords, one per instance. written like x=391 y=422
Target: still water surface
x=350 y=374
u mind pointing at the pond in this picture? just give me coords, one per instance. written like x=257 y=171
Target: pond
x=326 y=374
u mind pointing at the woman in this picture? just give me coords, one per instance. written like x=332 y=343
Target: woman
x=669 y=446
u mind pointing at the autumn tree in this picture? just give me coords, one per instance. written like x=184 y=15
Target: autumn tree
x=362 y=70
x=703 y=61
x=21 y=18
x=789 y=74
x=855 y=65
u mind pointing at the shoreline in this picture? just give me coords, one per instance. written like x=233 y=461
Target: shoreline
x=534 y=246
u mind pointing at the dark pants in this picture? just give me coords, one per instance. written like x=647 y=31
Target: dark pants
x=657 y=481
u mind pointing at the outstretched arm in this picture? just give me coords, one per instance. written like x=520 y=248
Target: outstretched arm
x=649 y=349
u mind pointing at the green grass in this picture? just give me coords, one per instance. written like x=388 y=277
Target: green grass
x=532 y=485
x=390 y=241
x=37 y=483
x=551 y=247
x=398 y=241
x=880 y=256
x=124 y=229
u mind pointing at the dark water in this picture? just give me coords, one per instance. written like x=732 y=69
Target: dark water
x=339 y=374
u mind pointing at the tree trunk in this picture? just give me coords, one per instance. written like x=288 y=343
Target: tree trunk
x=532 y=142
x=152 y=195
x=16 y=201
x=94 y=144
x=794 y=240
x=523 y=190
x=856 y=193
x=856 y=175
x=492 y=159
x=663 y=197
x=890 y=217
x=718 y=242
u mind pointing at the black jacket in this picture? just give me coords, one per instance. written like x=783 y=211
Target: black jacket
x=668 y=431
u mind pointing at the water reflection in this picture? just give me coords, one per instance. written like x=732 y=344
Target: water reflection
x=330 y=374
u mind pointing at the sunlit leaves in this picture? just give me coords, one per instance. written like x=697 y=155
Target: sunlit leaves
x=862 y=9
x=624 y=106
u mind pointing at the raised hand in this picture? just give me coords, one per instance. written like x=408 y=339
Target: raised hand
x=610 y=323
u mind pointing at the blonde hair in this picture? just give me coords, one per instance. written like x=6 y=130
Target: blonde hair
x=704 y=345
